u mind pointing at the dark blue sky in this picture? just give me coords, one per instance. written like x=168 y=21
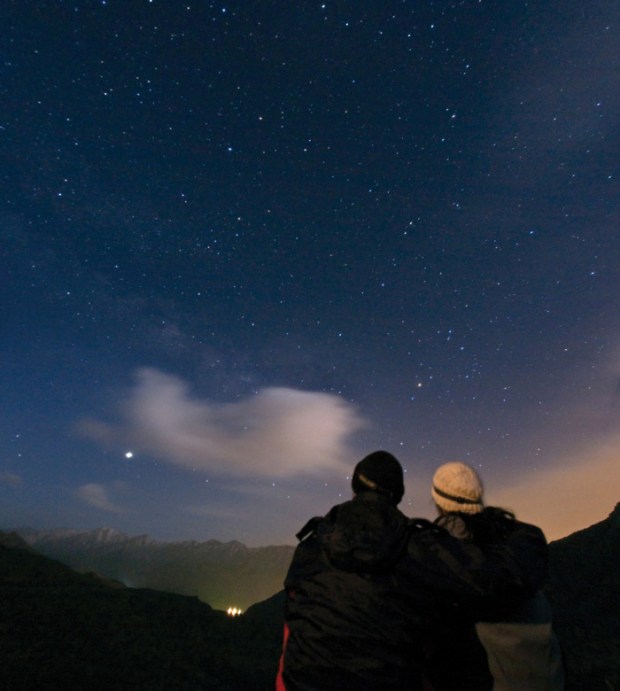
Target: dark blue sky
x=250 y=242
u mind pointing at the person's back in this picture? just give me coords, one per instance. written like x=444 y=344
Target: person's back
x=346 y=625
x=522 y=650
x=366 y=584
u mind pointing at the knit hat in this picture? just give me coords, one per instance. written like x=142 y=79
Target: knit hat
x=379 y=472
x=457 y=487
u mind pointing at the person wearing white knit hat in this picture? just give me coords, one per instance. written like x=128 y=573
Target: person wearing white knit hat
x=522 y=651
x=457 y=487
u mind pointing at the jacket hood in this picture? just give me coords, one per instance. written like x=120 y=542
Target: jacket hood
x=367 y=534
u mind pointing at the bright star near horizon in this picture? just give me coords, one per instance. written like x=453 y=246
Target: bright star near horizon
x=128 y=454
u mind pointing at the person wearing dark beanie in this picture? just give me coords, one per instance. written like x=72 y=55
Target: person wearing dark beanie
x=379 y=472
x=368 y=588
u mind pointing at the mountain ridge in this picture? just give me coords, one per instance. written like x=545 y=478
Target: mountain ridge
x=222 y=574
x=60 y=629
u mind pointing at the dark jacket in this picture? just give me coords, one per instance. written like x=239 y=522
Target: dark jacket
x=366 y=587
x=513 y=647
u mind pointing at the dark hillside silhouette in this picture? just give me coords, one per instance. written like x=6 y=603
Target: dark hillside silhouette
x=222 y=574
x=584 y=590
x=64 y=630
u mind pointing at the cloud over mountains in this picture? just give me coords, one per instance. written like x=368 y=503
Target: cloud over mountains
x=279 y=432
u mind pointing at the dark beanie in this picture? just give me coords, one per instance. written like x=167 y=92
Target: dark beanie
x=379 y=472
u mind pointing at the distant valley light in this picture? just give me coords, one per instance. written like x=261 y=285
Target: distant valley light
x=234 y=611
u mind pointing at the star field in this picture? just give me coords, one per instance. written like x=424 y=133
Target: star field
x=243 y=244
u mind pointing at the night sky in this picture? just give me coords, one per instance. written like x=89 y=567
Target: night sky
x=243 y=244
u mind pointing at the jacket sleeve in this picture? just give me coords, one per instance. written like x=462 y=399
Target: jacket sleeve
x=474 y=578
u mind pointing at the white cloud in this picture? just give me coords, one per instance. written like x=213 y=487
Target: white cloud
x=279 y=432
x=96 y=495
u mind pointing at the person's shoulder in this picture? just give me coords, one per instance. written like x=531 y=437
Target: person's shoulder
x=418 y=525
x=423 y=531
x=308 y=557
x=506 y=523
x=530 y=532
x=309 y=528
x=314 y=525
x=433 y=546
